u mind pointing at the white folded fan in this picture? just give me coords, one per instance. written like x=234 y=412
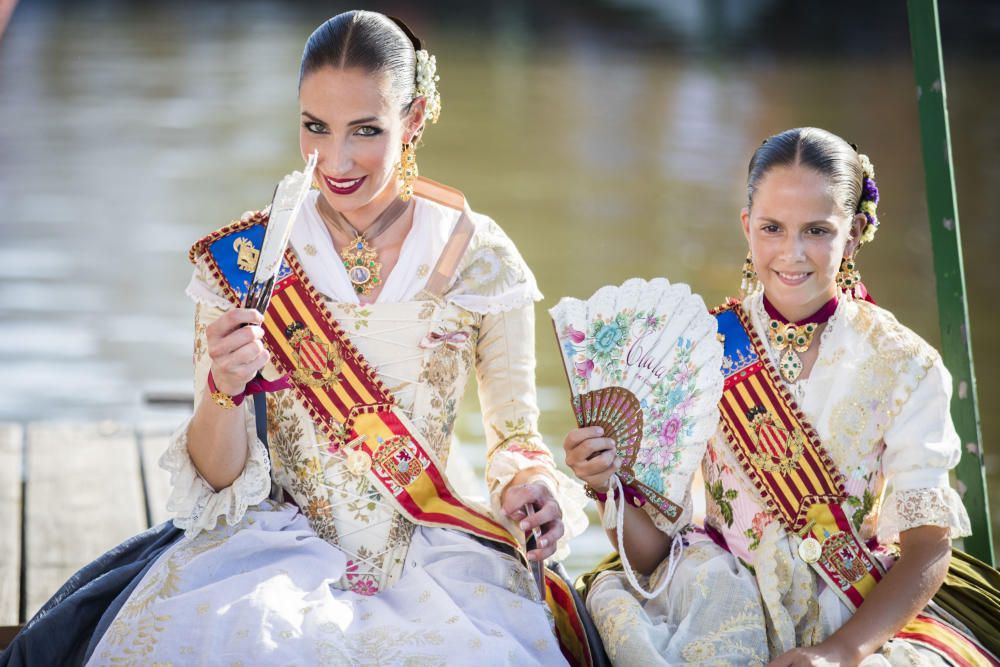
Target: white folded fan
x=644 y=362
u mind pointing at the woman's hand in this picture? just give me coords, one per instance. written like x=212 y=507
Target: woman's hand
x=547 y=516
x=235 y=347
x=824 y=654
x=591 y=457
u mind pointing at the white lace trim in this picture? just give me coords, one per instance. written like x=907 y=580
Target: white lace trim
x=902 y=510
x=495 y=305
x=568 y=493
x=200 y=292
x=196 y=506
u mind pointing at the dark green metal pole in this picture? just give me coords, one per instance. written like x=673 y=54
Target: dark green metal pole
x=942 y=208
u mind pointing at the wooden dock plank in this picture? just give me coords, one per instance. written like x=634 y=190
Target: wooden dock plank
x=157 y=479
x=10 y=522
x=84 y=495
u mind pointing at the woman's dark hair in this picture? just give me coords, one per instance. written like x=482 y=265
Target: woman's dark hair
x=371 y=41
x=817 y=149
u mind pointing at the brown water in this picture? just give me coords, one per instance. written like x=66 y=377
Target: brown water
x=125 y=138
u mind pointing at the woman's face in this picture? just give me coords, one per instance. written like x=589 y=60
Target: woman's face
x=797 y=237
x=351 y=117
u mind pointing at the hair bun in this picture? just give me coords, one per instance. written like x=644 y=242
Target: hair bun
x=406 y=30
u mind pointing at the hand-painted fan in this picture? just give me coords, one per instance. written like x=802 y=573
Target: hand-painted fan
x=644 y=362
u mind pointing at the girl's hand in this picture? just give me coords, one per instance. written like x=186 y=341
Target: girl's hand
x=236 y=350
x=824 y=654
x=591 y=457
x=547 y=517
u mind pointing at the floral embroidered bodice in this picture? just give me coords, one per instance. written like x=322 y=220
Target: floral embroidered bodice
x=423 y=348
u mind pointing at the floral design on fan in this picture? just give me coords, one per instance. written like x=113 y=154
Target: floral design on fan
x=668 y=420
x=602 y=349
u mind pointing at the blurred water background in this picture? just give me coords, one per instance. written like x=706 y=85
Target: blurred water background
x=608 y=137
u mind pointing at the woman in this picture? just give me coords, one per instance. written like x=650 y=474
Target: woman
x=393 y=293
x=830 y=404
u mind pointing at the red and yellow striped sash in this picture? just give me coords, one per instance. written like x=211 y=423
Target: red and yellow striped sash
x=569 y=627
x=956 y=648
x=345 y=398
x=782 y=455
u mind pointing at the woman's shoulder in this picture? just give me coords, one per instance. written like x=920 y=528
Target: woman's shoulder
x=492 y=275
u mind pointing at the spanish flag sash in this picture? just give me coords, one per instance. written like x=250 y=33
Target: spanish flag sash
x=345 y=398
x=784 y=458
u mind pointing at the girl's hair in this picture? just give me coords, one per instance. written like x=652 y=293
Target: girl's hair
x=371 y=41
x=817 y=149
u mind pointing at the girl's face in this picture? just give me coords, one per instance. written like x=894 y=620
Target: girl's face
x=351 y=117
x=797 y=237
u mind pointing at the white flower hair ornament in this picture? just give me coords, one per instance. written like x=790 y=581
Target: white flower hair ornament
x=869 y=199
x=427 y=79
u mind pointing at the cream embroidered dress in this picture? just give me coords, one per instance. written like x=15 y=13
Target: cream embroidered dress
x=878 y=397
x=347 y=580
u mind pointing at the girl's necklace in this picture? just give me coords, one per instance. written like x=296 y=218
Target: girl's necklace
x=360 y=259
x=794 y=338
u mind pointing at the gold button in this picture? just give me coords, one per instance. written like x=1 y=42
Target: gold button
x=810 y=550
x=358 y=462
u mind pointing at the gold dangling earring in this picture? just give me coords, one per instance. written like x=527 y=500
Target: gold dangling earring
x=849 y=278
x=407 y=171
x=749 y=282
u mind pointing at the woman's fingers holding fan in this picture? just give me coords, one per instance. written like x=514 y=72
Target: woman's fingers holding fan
x=578 y=436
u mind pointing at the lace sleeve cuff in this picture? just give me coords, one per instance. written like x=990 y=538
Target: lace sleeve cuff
x=939 y=506
x=569 y=494
x=196 y=506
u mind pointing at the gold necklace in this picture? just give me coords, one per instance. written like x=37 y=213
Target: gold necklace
x=360 y=259
x=796 y=339
x=795 y=336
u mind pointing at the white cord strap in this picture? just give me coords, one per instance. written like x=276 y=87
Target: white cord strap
x=614 y=518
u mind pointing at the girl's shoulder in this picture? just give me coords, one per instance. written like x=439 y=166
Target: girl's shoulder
x=879 y=332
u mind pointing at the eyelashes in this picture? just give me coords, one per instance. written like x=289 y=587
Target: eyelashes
x=313 y=127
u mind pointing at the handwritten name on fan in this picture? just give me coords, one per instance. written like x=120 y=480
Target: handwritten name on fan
x=643 y=360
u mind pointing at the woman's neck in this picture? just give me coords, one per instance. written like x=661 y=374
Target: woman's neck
x=365 y=216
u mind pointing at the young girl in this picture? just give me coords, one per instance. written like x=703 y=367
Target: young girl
x=393 y=293
x=827 y=478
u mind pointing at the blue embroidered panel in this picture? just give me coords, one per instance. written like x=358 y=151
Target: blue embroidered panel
x=737 y=349
x=226 y=252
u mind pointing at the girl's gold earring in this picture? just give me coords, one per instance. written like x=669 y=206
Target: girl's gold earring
x=749 y=282
x=849 y=278
x=407 y=171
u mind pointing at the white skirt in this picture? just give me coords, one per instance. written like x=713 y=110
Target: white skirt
x=260 y=593
x=712 y=613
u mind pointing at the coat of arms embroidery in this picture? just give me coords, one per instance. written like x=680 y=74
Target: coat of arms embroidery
x=317 y=364
x=778 y=449
x=399 y=460
x=844 y=559
x=246 y=254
